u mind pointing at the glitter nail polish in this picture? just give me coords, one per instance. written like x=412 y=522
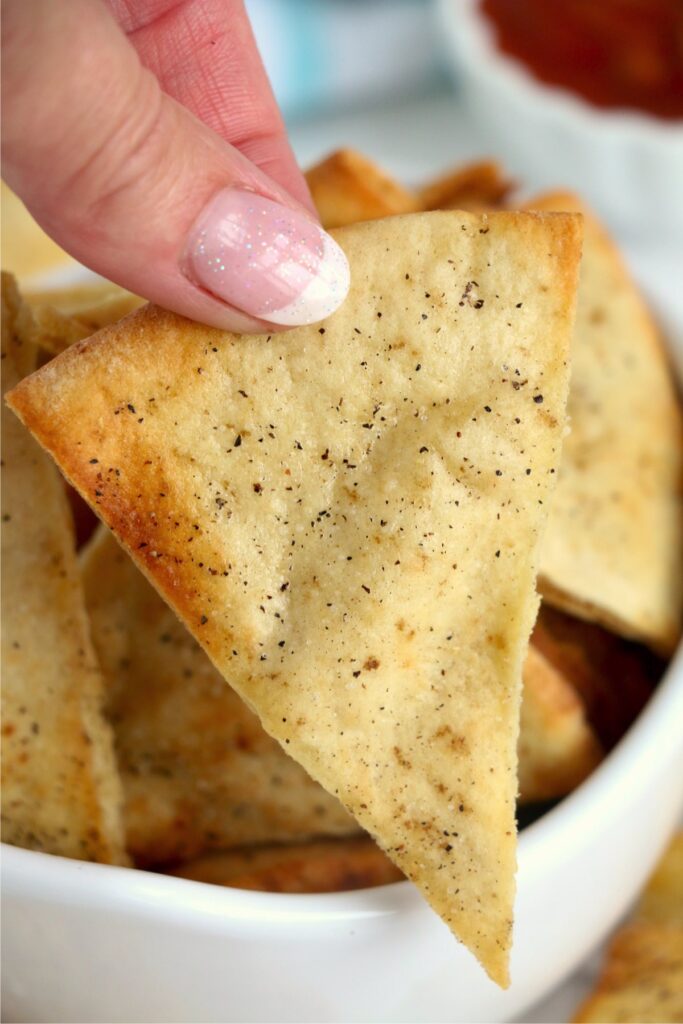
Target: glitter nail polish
x=267 y=260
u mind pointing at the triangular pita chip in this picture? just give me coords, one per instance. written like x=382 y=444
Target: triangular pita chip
x=347 y=188
x=642 y=977
x=613 y=549
x=477 y=186
x=62 y=316
x=333 y=865
x=614 y=678
x=198 y=770
x=557 y=747
x=60 y=787
x=346 y=516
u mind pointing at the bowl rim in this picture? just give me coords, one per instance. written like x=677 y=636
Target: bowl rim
x=471 y=34
x=61 y=880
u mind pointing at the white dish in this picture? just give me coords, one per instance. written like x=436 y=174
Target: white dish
x=628 y=165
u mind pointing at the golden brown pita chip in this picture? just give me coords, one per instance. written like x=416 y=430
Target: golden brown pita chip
x=557 y=747
x=613 y=550
x=347 y=188
x=476 y=186
x=614 y=677
x=662 y=899
x=61 y=792
x=642 y=978
x=53 y=331
x=64 y=316
x=198 y=771
x=337 y=865
x=346 y=517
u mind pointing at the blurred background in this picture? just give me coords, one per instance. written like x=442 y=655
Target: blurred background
x=580 y=94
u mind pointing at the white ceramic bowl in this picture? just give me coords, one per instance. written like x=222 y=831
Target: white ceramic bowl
x=628 y=165
x=86 y=942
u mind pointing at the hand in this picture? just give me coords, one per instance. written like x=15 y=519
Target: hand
x=143 y=136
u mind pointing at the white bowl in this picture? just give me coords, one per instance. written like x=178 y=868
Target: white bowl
x=628 y=165
x=86 y=942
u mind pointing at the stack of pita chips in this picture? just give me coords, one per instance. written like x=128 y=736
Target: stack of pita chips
x=61 y=788
x=324 y=866
x=347 y=519
x=199 y=771
x=613 y=549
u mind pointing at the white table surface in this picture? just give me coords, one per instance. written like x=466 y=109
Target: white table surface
x=415 y=140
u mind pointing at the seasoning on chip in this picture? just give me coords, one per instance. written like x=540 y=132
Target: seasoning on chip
x=198 y=770
x=347 y=188
x=346 y=517
x=60 y=786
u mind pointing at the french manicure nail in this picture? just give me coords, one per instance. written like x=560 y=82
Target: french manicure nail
x=267 y=260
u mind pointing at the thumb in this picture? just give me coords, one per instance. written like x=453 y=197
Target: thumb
x=135 y=187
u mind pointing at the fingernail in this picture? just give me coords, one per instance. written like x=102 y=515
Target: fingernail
x=265 y=259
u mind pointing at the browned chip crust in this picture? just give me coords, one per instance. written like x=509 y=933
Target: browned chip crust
x=64 y=316
x=642 y=981
x=61 y=791
x=198 y=770
x=661 y=901
x=557 y=747
x=333 y=866
x=346 y=517
x=477 y=186
x=642 y=978
x=613 y=549
x=347 y=188
x=614 y=677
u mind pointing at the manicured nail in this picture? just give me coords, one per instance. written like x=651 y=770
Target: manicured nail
x=266 y=260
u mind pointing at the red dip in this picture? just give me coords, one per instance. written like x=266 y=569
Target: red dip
x=613 y=53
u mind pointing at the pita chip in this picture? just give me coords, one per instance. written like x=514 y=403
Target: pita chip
x=198 y=770
x=613 y=549
x=346 y=517
x=476 y=186
x=63 y=316
x=661 y=901
x=557 y=747
x=347 y=188
x=613 y=677
x=61 y=792
x=336 y=865
x=642 y=978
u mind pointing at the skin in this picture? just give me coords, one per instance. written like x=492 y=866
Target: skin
x=122 y=119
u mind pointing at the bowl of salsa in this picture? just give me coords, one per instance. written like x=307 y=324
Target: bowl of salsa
x=586 y=93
